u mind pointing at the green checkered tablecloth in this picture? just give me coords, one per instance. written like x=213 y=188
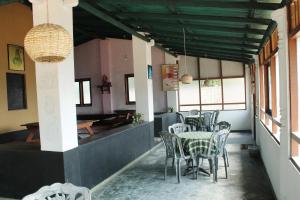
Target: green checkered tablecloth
x=196 y=143
x=194 y=121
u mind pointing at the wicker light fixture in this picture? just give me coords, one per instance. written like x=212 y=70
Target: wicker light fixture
x=48 y=42
x=186 y=78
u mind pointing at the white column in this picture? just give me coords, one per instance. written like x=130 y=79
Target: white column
x=172 y=96
x=280 y=16
x=143 y=85
x=55 y=83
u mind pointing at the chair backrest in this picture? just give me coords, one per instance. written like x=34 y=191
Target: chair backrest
x=193 y=112
x=223 y=125
x=58 y=191
x=221 y=139
x=180 y=117
x=218 y=140
x=171 y=142
x=214 y=119
x=207 y=119
x=179 y=128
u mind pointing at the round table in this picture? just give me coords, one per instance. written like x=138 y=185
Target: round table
x=196 y=142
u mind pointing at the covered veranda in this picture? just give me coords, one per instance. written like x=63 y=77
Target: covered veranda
x=94 y=119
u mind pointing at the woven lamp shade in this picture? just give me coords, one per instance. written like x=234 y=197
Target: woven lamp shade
x=48 y=43
x=186 y=79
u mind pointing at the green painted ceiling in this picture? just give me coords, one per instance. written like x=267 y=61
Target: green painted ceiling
x=222 y=29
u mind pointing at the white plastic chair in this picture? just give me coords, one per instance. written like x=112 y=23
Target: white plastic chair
x=179 y=128
x=58 y=191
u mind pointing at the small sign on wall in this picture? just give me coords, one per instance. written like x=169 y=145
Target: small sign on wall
x=16 y=92
x=150 y=72
x=170 y=77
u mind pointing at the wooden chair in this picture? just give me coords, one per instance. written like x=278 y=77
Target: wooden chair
x=58 y=191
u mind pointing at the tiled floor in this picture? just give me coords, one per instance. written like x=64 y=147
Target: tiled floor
x=144 y=180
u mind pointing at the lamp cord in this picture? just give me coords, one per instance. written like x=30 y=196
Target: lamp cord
x=47 y=11
x=184 y=50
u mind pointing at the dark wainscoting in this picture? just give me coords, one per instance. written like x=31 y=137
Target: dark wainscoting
x=162 y=121
x=24 y=168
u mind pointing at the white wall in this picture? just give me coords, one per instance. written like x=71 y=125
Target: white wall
x=284 y=176
x=239 y=119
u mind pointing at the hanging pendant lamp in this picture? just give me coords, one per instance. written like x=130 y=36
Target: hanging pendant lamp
x=48 y=42
x=186 y=78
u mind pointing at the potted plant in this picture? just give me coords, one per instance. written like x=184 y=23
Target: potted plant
x=137 y=118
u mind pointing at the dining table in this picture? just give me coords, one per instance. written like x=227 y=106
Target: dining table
x=197 y=143
x=33 y=129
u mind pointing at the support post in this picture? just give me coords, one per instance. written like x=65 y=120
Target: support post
x=55 y=83
x=143 y=85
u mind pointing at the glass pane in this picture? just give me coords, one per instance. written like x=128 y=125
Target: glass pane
x=131 y=89
x=77 y=93
x=234 y=90
x=270 y=87
x=295 y=150
x=189 y=93
x=188 y=108
x=211 y=91
x=86 y=92
x=234 y=106
x=212 y=107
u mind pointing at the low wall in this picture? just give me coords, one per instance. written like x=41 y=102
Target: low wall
x=24 y=168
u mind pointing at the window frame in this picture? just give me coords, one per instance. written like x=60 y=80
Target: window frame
x=128 y=102
x=221 y=77
x=81 y=93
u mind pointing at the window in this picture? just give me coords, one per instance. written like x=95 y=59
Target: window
x=269 y=91
x=83 y=95
x=129 y=89
x=294 y=45
x=223 y=87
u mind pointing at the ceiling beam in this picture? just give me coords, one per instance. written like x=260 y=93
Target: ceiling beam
x=172 y=25
x=102 y=15
x=199 y=38
x=205 y=3
x=218 y=54
x=237 y=53
x=203 y=36
x=194 y=17
x=206 y=44
x=267 y=35
x=219 y=57
x=224 y=49
x=197 y=41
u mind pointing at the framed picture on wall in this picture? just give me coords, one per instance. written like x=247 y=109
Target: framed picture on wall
x=16 y=91
x=170 y=77
x=15 y=58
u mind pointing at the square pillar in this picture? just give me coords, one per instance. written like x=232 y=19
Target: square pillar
x=55 y=83
x=280 y=16
x=143 y=85
x=172 y=96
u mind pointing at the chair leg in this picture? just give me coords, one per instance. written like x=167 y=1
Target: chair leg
x=225 y=164
x=166 y=167
x=226 y=154
x=210 y=166
x=173 y=161
x=178 y=170
x=197 y=166
x=213 y=166
x=216 y=169
x=193 y=167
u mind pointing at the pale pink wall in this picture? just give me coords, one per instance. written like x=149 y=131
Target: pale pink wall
x=121 y=64
x=87 y=65
x=159 y=96
x=114 y=58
